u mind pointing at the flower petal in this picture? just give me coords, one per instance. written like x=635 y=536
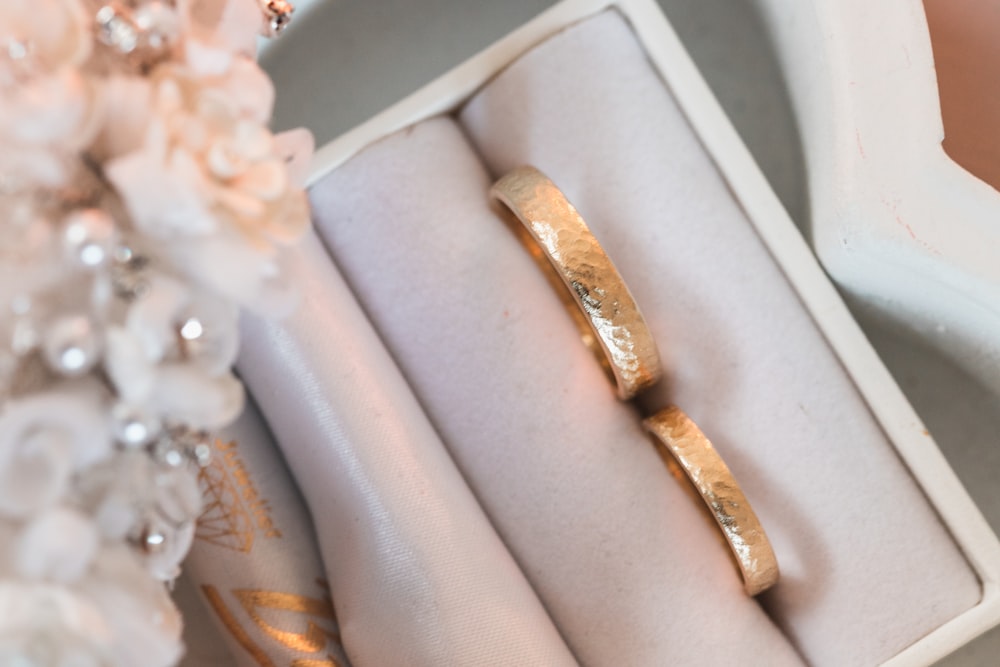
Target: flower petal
x=127 y=365
x=43 y=439
x=142 y=619
x=151 y=319
x=191 y=396
x=58 y=545
x=162 y=199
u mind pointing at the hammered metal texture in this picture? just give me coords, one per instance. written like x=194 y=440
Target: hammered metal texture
x=725 y=500
x=584 y=276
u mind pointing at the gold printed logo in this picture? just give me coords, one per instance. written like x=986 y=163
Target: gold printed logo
x=266 y=610
x=234 y=509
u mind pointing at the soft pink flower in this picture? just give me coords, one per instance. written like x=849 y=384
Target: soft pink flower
x=218 y=29
x=137 y=609
x=44 y=623
x=209 y=179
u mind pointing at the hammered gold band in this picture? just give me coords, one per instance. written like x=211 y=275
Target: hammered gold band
x=702 y=465
x=584 y=277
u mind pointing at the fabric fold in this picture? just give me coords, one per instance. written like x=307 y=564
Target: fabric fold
x=624 y=562
x=852 y=530
x=255 y=561
x=418 y=574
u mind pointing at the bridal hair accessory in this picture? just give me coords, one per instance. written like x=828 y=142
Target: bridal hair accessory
x=144 y=202
x=599 y=301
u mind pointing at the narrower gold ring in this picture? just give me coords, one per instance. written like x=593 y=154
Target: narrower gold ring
x=584 y=277
x=702 y=465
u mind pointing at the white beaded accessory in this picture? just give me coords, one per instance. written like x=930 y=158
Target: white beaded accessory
x=143 y=203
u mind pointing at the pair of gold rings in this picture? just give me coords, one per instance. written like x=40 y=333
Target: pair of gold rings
x=612 y=326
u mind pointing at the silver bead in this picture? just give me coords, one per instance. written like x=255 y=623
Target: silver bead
x=71 y=346
x=88 y=237
x=202 y=454
x=134 y=428
x=124 y=254
x=116 y=29
x=168 y=451
x=172 y=457
x=128 y=275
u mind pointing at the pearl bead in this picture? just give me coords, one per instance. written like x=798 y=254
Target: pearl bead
x=192 y=329
x=208 y=335
x=71 y=346
x=163 y=546
x=132 y=427
x=168 y=453
x=154 y=537
x=88 y=236
x=124 y=254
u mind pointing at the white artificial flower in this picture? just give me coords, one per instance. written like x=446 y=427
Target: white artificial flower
x=210 y=182
x=217 y=30
x=208 y=163
x=180 y=391
x=137 y=609
x=49 y=624
x=174 y=354
x=44 y=439
x=47 y=111
x=139 y=497
x=57 y=545
x=174 y=323
x=144 y=201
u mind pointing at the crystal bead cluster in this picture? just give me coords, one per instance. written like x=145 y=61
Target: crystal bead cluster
x=144 y=202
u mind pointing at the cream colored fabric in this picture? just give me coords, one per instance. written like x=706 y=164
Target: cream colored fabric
x=418 y=575
x=628 y=568
x=868 y=568
x=624 y=563
x=255 y=561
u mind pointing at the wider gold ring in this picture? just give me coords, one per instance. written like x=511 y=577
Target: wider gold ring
x=703 y=466
x=584 y=277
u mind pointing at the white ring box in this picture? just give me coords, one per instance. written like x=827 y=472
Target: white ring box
x=882 y=399
x=899 y=225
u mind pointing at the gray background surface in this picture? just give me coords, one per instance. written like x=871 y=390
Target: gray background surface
x=353 y=58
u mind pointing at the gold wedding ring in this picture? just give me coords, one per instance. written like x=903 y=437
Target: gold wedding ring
x=584 y=277
x=710 y=476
